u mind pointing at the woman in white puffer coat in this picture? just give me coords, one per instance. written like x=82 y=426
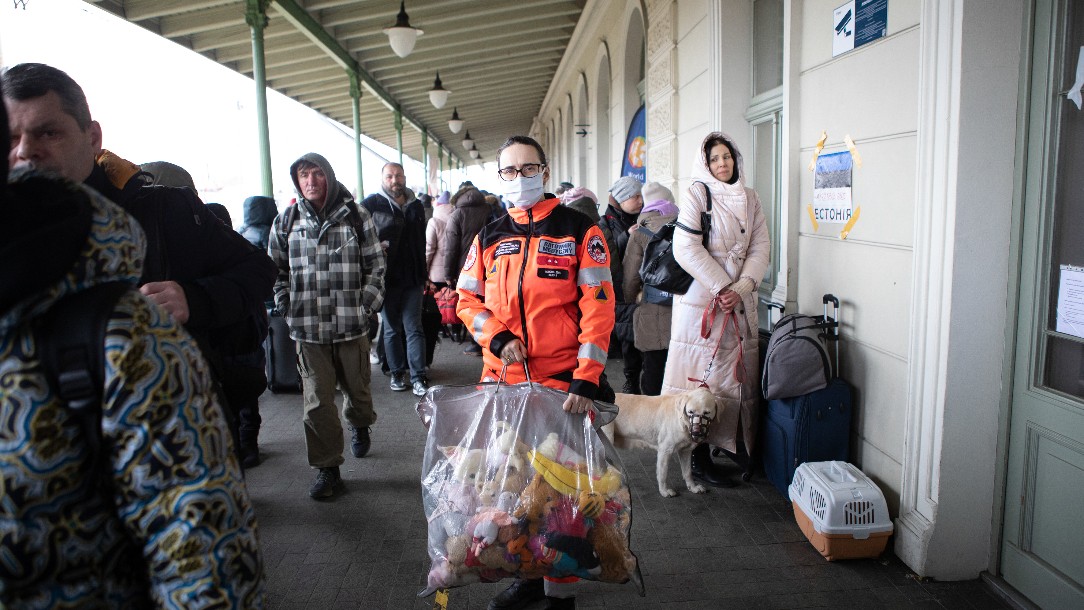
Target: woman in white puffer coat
x=726 y=273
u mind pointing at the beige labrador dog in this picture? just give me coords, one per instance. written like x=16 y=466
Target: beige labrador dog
x=670 y=424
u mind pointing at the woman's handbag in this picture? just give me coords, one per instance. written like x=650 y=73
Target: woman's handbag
x=660 y=270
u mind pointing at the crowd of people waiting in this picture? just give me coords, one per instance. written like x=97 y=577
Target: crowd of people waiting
x=174 y=413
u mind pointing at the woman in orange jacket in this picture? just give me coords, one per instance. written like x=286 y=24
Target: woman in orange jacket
x=535 y=286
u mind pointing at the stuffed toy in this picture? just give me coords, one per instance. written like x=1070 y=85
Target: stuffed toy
x=565 y=519
x=591 y=504
x=571 y=556
x=568 y=472
x=535 y=503
x=612 y=551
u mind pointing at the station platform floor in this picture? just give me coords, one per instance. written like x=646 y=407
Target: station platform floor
x=366 y=548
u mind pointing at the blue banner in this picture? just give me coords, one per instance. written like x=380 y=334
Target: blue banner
x=635 y=162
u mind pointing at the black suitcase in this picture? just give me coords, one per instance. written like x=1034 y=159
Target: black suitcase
x=281 y=357
x=813 y=427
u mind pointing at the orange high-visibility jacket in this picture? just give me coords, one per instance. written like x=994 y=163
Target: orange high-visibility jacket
x=542 y=275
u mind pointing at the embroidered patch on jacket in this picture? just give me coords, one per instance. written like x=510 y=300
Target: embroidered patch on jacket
x=600 y=294
x=506 y=248
x=557 y=248
x=553 y=274
x=553 y=261
x=472 y=256
x=596 y=249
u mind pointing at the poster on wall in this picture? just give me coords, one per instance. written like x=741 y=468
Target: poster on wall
x=1071 y=301
x=635 y=162
x=832 y=187
x=858 y=22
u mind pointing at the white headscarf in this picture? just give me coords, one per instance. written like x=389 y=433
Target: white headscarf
x=732 y=196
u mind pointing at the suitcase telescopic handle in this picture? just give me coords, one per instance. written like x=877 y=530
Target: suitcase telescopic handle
x=770 y=305
x=834 y=325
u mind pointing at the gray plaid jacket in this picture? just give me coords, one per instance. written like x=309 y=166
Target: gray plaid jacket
x=331 y=273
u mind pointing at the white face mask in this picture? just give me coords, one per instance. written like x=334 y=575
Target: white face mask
x=523 y=192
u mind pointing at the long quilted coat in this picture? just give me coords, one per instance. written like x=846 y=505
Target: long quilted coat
x=738 y=247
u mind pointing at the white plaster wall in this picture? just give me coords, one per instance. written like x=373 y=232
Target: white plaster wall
x=869 y=93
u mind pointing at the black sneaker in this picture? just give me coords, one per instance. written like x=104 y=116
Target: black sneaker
x=326 y=484
x=519 y=594
x=360 y=441
x=398 y=383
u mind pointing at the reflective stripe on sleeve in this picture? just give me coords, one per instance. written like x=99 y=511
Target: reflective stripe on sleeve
x=477 y=324
x=593 y=276
x=592 y=351
x=467 y=282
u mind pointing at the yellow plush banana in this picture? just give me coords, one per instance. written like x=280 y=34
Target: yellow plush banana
x=568 y=481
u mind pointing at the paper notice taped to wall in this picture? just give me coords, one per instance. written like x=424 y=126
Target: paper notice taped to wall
x=1071 y=301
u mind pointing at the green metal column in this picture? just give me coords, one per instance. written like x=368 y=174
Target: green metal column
x=425 y=160
x=399 y=133
x=256 y=17
x=355 y=97
x=440 y=167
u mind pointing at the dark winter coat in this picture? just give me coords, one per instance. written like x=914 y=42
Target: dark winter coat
x=260 y=213
x=470 y=214
x=402 y=230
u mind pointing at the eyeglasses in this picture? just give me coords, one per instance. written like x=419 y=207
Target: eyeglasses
x=529 y=170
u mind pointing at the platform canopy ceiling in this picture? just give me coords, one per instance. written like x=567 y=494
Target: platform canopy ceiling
x=497 y=57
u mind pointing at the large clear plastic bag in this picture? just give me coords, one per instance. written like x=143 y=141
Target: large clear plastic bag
x=513 y=486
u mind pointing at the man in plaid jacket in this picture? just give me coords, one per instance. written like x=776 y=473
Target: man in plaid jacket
x=330 y=281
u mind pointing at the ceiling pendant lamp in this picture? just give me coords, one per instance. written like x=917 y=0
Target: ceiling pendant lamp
x=474 y=154
x=438 y=95
x=455 y=123
x=468 y=141
x=402 y=35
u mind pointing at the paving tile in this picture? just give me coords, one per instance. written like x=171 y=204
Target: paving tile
x=730 y=548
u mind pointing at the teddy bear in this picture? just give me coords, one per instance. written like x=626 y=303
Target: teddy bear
x=612 y=551
x=535 y=503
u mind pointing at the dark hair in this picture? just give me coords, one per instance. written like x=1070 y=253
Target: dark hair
x=391 y=164
x=714 y=141
x=303 y=165
x=28 y=81
x=522 y=140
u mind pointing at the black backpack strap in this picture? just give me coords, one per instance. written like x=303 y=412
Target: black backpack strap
x=70 y=338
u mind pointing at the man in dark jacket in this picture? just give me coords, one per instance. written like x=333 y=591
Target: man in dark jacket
x=470 y=213
x=205 y=275
x=400 y=224
x=625 y=204
x=260 y=213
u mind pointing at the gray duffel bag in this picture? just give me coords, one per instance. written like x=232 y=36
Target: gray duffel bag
x=797 y=361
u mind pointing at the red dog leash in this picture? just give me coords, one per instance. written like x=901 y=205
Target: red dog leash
x=707 y=320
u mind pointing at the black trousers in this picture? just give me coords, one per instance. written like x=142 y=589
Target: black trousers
x=654 y=363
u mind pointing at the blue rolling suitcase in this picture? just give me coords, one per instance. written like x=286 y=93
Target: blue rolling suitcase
x=812 y=427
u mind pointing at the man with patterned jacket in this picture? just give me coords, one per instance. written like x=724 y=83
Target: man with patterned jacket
x=331 y=279
x=150 y=511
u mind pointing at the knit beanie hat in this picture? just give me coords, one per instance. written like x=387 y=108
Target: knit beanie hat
x=662 y=206
x=625 y=188
x=653 y=191
x=575 y=193
x=442 y=200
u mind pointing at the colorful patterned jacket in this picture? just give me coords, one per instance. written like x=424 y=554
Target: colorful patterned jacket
x=166 y=521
